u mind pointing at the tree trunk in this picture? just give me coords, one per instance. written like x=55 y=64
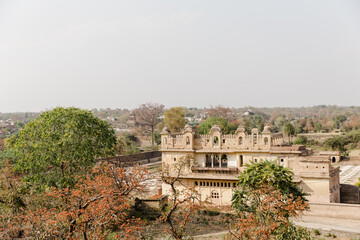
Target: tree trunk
x=152 y=135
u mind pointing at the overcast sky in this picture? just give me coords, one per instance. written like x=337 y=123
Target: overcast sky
x=119 y=54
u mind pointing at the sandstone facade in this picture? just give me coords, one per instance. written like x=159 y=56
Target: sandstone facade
x=219 y=159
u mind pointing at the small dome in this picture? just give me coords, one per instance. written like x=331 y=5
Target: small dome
x=165 y=130
x=240 y=129
x=188 y=128
x=267 y=129
x=215 y=128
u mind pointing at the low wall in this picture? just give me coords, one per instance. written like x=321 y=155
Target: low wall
x=145 y=157
x=318 y=136
x=335 y=210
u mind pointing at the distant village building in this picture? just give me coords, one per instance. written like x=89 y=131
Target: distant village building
x=219 y=159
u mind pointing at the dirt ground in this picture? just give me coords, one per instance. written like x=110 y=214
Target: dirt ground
x=323 y=235
x=214 y=225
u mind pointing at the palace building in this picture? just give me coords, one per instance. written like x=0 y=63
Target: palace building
x=220 y=158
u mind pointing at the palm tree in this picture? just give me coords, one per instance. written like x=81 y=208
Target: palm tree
x=289 y=130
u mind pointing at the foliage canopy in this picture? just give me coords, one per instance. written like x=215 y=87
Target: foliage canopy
x=56 y=147
x=175 y=119
x=227 y=128
x=265 y=173
x=267 y=200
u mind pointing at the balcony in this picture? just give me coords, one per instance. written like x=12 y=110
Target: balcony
x=230 y=170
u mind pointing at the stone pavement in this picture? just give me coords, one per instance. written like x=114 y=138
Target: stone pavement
x=349 y=174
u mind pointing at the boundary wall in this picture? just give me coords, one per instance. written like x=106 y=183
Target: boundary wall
x=145 y=157
x=334 y=210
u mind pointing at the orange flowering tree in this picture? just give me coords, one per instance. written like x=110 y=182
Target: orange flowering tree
x=268 y=217
x=183 y=200
x=92 y=209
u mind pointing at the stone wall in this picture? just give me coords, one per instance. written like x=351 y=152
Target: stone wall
x=320 y=137
x=335 y=210
x=139 y=157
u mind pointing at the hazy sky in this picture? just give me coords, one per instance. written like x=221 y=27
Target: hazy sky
x=119 y=54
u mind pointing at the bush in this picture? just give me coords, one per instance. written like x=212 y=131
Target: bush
x=293 y=233
x=301 y=140
x=331 y=235
x=213 y=213
x=336 y=143
x=317 y=232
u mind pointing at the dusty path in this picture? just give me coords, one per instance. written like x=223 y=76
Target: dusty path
x=329 y=224
x=310 y=222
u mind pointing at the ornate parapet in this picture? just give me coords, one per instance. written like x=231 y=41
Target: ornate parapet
x=216 y=140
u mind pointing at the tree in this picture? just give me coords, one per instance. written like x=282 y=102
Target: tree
x=60 y=145
x=302 y=140
x=220 y=111
x=184 y=200
x=127 y=144
x=11 y=199
x=289 y=129
x=148 y=116
x=269 y=217
x=227 y=127
x=336 y=143
x=266 y=172
x=259 y=122
x=266 y=201
x=175 y=119
x=91 y=209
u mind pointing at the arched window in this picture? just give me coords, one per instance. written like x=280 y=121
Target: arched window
x=165 y=141
x=333 y=159
x=216 y=160
x=240 y=140
x=241 y=160
x=255 y=139
x=266 y=141
x=208 y=160
x=187 y=141
x=224 y=160
x=216 y=140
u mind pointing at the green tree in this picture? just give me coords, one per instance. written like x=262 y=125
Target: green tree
x=265 y=173
x=336 y=143
x=59 y=145
x=127 y=144
x=259 y=122
x=175 y=119
x=318 y=126
x=266 y=201
x=289 y=129
x=301 y=140
x=227 y=128
x=249 y=125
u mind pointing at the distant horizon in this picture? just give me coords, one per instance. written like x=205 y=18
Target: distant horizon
x=166 y=107
x=112 y=53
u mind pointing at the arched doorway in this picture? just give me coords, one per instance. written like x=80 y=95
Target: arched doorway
x=224 y=161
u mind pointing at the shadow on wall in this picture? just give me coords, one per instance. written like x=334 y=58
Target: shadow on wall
x=349 y=194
